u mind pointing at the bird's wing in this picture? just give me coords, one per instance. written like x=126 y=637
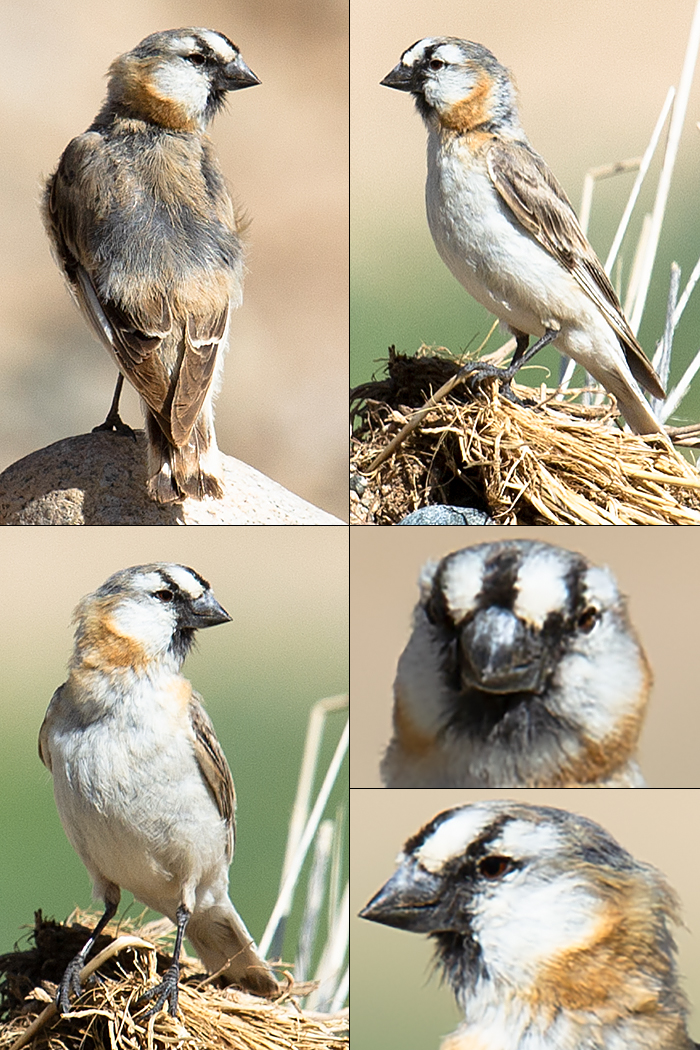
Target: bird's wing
x=203 y=336
x=134 y=341
x=57 y=701
x=44 y=752
x=538 y=202
x=214 y=767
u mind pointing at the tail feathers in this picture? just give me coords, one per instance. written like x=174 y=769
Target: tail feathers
x=191 y=470
x=642 y=369
x=636 y=411
x=617 y=380
x=219 y=936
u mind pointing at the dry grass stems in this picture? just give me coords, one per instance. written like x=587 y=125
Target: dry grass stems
x=106 y=1018
x=557 y=463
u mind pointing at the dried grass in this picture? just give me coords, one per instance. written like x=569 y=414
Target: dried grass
x=557 y=463
x=106 y=1018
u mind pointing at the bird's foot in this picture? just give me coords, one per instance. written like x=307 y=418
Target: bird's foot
x=166 y=991
x=114 y=424
x=508 y=393
x=70 y=983
x=477 y=371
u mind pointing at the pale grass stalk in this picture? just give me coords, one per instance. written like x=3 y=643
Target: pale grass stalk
x=687 y=291
x=674 y=134
x=286 y=895
x=662 y=358
x=315 y=893
x=300 y=811
x=605 y=171
x=342 y=993
x=643 y=169
x=330 y=968
x=637 y=264
x=681 y=388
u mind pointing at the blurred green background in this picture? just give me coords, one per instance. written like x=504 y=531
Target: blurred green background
x=286 y=589
x=587 y=98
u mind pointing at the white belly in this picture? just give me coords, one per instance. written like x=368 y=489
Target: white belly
x=489 y=253
x=137 y=810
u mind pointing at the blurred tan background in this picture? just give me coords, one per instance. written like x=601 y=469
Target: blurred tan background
x=286 y=590
x=396 y=1002
x=659 y=575
x=284 y=151
x=592 y=79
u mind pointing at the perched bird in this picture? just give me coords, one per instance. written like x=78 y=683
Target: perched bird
x=505 y=228
x=142 y=786
x=522 y=669
x=551 y=935
x=145 y=232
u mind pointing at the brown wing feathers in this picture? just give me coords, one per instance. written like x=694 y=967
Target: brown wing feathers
x=520 y=176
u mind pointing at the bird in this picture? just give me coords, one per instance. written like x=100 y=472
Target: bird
x=141 y=783
x=144 y=230
x=505 y=228
x=551 y=935
x=522 y=670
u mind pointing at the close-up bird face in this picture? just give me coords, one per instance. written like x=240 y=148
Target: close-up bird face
x=521 y=661
x=504 y=888
x=154 y=609
x=190 y=70
x=545 y=927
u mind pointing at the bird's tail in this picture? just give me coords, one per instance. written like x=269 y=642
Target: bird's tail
x=219 y=936
x=635 y=408
x=193 y=469
x=618 y=380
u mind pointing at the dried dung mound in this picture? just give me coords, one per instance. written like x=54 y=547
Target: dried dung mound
x=106 y=1016
x=552 y=463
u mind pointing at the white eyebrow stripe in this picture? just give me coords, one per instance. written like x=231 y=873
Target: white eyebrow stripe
x=541 y=586
x=415 y=54
x=217 y=43
x=450 y=53
x=463 y=580
x=185 y=580
x=452 y=837
x=601 y=587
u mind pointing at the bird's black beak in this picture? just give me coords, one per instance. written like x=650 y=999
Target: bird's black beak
x=401 y=78
x=410 y=900
x=203 y=612
x=237 y=75
x=498 y=653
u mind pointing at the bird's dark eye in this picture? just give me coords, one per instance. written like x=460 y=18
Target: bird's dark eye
x=196 y=59
x=588 y=619
x=164 y=595
x=494 y=867
x=436 y=63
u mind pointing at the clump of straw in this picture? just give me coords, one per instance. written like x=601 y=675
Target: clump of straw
x=106 y=1017
x=552 y=464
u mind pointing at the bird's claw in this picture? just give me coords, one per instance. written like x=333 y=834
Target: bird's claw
x=480 y=370
x=115 y=425
x=70 y=983
x=166 y=991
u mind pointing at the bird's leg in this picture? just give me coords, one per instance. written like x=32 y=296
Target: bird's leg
x=522 y=355
x=70 y=982
x=114 y=422
x=477 y=370
x=522 y=341
x=167 y=989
